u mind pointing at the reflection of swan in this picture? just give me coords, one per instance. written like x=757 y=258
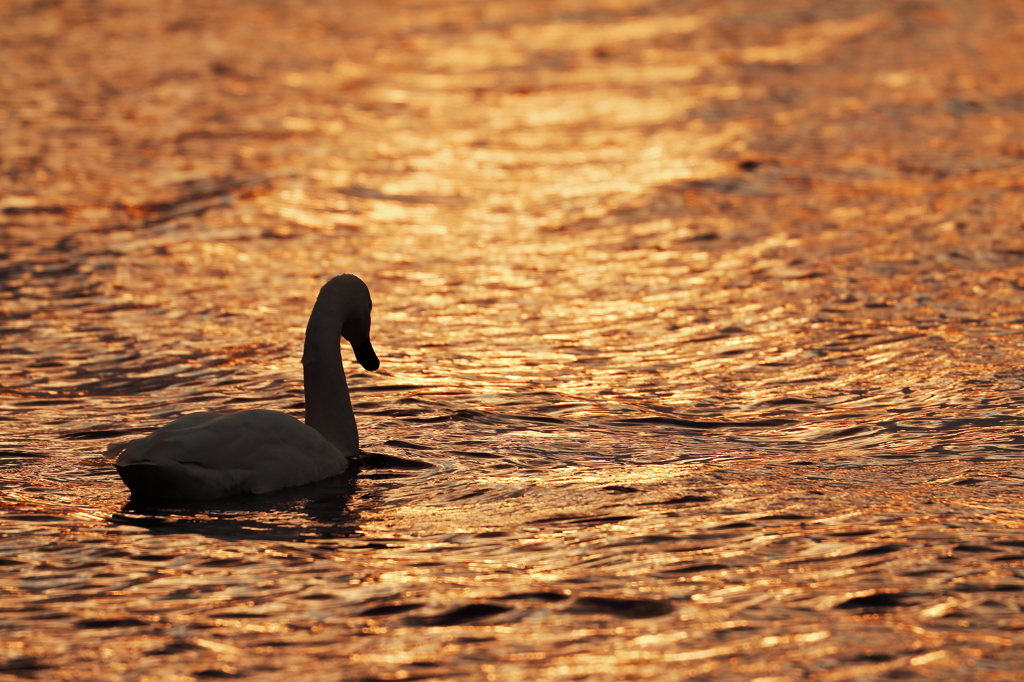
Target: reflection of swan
x=207 y=455
x=315 y=510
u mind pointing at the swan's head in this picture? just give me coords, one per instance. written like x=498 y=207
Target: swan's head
x=345 y=299
x=356 y=327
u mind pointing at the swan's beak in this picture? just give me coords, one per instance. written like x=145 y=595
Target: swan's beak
x=366 y=356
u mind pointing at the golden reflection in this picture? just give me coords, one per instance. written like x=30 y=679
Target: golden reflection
x=698 y=328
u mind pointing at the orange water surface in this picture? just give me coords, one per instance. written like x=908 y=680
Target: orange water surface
x=700 y=325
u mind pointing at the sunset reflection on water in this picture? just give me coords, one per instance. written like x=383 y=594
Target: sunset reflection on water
x=700 y=327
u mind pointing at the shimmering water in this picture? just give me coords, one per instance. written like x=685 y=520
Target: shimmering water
x=700 y=328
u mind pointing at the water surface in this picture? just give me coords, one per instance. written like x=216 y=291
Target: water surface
x=700 y=328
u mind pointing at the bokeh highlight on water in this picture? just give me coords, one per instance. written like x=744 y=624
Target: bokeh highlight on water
x=700 y=327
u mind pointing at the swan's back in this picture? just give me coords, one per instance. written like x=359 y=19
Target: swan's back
x=207 y=455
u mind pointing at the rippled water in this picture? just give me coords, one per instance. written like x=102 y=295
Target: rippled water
x=700 y=328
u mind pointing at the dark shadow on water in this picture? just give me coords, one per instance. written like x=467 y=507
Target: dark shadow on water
x=309 y=512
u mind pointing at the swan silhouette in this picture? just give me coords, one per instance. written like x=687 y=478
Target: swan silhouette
x=209 y=455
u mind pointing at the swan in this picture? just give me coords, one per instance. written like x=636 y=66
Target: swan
x=209 y=455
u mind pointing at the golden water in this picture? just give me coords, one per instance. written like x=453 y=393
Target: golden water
x=700 y=328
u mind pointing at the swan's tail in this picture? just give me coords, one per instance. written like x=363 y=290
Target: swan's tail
x=171 y=480
x=114 y=450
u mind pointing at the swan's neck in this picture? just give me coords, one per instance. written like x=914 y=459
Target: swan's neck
x=328 y=407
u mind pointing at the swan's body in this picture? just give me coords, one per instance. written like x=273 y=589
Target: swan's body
x=207 y=455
